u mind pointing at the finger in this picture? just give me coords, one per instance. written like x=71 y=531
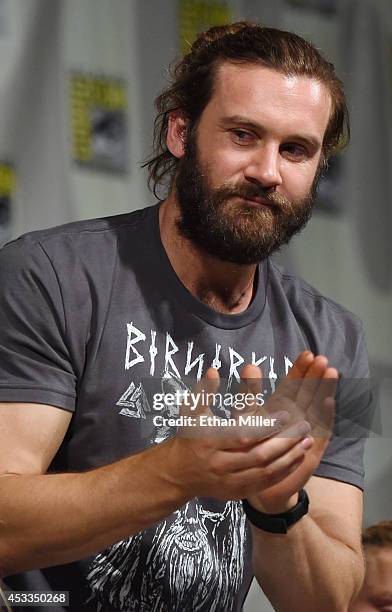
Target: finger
x=210 y=381
x=241 y=437
x=250 y=388
x=311 y=382
x=251 y=377
x=248 y=401
x=300 y=365
x=202 y=393
x=280 y=403
x=264 y=477
x=317 y=413
x=322 y=432
x=322 y=420
x=305 y=389
x=292 y=382
x=267 y=451
x=198 y=403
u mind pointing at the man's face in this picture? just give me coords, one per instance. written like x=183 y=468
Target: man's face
x=376 y=593
x=247 y=180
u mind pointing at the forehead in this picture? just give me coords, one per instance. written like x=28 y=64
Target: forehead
x=379 y=567
x=379 y=559
x=265 y=95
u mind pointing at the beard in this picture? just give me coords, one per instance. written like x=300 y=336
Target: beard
x=242 y=234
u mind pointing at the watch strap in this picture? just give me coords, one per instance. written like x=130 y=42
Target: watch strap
x=277 y=523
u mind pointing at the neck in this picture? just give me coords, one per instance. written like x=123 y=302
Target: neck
x=223 y=286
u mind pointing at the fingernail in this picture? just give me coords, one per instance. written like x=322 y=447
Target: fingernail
x=306 y=443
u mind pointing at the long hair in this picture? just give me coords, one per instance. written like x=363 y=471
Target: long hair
x=193 y=78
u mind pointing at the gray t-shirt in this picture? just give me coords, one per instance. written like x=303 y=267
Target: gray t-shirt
x=90 y=312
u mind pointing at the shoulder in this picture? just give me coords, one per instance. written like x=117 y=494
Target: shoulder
x=89 y=244
x=305 y=298
x=327 y=327
x=110 y=225
x=79 y=254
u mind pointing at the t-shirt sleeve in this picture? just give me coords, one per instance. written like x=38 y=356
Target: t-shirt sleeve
x=35 y=361
x=343 y=458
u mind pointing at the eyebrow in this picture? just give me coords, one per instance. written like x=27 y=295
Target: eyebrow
x=312 y=141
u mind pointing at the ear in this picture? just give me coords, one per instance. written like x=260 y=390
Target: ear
x=176 y=134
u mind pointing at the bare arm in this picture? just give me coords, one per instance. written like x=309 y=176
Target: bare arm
x=50 y=519
x=318 y=564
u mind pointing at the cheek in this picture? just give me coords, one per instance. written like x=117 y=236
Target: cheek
x=223 y=168
x=297 y=180
x=226 y=166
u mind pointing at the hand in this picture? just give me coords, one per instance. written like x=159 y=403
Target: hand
x=229 y=464
x=308 y=393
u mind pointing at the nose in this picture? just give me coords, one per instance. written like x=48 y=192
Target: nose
x=264 y=167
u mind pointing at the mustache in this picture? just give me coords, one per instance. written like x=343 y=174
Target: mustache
x=248 y=191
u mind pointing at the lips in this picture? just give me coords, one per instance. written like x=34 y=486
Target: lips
x=258 y=201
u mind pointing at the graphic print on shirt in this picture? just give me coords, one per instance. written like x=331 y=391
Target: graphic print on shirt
x=194 y=560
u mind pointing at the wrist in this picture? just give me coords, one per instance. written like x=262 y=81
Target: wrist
x=171 y=470
x=271 y=506
x=277 y=522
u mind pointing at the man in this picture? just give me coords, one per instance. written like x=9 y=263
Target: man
x=376 y=592
x=96 y=490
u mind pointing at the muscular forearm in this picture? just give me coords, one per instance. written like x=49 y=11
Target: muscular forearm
x=306 y=569
x=58 y=518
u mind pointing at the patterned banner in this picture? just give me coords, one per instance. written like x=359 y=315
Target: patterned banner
x=7 y=189
x=195 y=16
x=98 y=119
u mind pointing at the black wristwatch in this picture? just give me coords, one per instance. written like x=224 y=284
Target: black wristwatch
x=277 y=523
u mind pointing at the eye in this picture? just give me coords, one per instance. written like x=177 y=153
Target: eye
x=242 y=137
x=295 y=151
